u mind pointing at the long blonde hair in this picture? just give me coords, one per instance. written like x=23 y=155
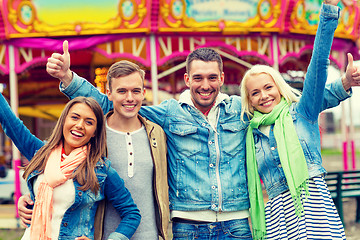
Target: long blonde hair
x=290 y=94
x=85 y=173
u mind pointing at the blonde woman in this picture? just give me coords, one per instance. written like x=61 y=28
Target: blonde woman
x=283 y=147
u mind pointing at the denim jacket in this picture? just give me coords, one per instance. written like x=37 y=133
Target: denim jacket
x=206 y=167
x=78 y=220
x=304 y=113
x=195 y=150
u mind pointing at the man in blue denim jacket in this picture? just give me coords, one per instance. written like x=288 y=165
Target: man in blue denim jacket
x=206 y=146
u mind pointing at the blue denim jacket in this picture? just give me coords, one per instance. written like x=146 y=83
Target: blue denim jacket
x=206 y=168
x=78 y=220
x=304 y=113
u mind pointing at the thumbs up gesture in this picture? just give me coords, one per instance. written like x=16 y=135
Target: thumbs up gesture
x=352 y=75
x=58 y=65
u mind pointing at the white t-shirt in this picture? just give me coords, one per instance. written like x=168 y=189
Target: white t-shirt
x=63 y=198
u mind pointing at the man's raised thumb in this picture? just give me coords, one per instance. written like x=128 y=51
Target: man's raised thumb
x=350 y=60
x=66 y=47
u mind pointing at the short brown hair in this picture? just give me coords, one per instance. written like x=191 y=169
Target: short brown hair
x=205 y=55
x=123 y=68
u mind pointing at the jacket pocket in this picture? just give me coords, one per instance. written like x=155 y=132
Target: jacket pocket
x=307 y=151
x=186 y=137
x=232 y=138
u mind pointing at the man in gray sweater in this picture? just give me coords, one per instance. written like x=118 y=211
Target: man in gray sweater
x=137 y=151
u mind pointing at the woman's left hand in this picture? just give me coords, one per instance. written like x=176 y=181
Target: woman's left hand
x=82 y=238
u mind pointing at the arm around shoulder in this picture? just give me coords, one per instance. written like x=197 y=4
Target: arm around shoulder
x=79 y=86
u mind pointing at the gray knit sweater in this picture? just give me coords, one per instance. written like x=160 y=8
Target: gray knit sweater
x=130 y=156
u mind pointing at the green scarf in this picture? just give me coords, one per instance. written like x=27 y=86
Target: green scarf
x=292 y=161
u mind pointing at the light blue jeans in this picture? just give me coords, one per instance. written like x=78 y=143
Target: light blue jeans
x=233 y=229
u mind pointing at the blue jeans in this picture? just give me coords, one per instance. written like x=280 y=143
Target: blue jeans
x=232 y=229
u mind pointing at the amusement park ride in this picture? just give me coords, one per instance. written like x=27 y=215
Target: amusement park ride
x=158 y=35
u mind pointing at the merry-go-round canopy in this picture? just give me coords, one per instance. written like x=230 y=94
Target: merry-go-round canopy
x=158 y=35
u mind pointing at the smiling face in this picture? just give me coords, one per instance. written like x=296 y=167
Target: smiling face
x=127 y=94
x=204 y=80
x=79 y=127
x=263 y=93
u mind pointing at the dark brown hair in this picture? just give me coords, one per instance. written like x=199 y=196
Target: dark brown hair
x=85 y=173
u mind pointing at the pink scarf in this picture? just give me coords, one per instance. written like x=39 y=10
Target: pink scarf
x=56 y=173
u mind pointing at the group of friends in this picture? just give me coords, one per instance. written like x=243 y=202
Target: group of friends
x=198 y=161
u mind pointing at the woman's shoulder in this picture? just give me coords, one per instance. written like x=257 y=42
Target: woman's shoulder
x=103 y=164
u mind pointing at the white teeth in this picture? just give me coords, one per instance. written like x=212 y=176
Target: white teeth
x=205 y=94
x=77 y=133
x=267 y=104
x=129 y=106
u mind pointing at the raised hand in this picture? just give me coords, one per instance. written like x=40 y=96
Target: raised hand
x=331 y=2
x=82 y=238
x=352 y=75
x=58 y=65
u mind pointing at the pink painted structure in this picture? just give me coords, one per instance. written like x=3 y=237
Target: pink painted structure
x=176 y=31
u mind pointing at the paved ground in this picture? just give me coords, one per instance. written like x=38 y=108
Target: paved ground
x=352 y=229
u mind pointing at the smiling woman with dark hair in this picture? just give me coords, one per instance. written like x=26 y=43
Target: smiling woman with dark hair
x=69 y=174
